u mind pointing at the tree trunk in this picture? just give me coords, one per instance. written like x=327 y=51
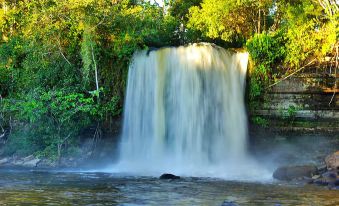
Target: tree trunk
x=259 y=21
x=96 y=72
x=59 y=153
x=265 y=20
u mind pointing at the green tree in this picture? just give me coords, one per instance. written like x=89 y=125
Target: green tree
x=57 y=55
x=229 y=20
x=54 y=119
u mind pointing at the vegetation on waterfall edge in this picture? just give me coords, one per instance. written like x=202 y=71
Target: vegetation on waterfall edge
x=64 y=63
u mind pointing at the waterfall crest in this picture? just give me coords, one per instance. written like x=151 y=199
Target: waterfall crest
x=185 y=112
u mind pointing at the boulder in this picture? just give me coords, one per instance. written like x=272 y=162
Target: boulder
x=295 y=172
x=169 y=177
x=332 y=161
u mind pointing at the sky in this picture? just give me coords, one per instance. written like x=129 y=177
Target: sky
x=160 y=2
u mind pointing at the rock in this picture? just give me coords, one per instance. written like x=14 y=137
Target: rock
x=295 y=172
x=17 y=162
x=307 y=180
x=321 y=182
x=332 y=161
x=68 y=162
x=169 y=177
x=329 y=178
x=334 y=183
x=4 y=161
x=47 y=163
x=29 y=161
x=229 y=203
x=335 y=188
x=322 y=169
x=330 y=174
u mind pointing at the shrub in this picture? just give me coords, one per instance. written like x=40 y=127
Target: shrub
x=265 y=50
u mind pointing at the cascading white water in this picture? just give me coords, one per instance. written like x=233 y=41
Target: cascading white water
x=185 y=113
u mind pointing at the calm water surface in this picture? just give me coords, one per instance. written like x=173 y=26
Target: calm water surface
x=76 y=188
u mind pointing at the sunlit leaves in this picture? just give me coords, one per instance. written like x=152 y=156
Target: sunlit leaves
x=306 y=32
x=229 y=19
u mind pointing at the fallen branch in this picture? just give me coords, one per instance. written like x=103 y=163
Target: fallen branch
x=284 y=78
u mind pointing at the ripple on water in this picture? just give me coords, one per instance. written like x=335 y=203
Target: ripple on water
x=57 y=188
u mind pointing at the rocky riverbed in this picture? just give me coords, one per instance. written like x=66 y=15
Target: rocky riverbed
x=323 y=176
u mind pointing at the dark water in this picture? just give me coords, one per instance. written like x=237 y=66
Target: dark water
x=76 y=188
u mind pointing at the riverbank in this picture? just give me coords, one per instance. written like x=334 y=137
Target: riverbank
x=286 y=147
x=104 y=153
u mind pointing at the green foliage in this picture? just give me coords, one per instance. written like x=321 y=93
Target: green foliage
x=11 y=54
x=229 y=20
x=19 y=144
x=54 y=119
x=47 y=56
x=259 y=121
x=308 y=33
x=265 y=50
x=258 y=80
x=180 y=8
x=87 y=50
x=111 y=107
x=48 y=49
x=290 y=112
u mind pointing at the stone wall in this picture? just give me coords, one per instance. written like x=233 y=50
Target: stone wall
x=307 y=96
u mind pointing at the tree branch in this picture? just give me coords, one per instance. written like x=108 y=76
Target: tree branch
x=284 y=78
x=62 y=54
x=95 y=70
x=335 y=73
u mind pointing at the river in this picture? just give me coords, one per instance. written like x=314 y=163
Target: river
x=22 y=187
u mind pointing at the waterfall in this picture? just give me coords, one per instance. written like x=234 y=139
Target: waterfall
x=185 y=112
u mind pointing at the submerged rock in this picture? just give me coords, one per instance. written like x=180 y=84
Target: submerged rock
x=332 y=161
x=169 y=177
x=295 y=172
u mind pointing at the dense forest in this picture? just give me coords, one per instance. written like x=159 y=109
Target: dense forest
x=64 y=63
